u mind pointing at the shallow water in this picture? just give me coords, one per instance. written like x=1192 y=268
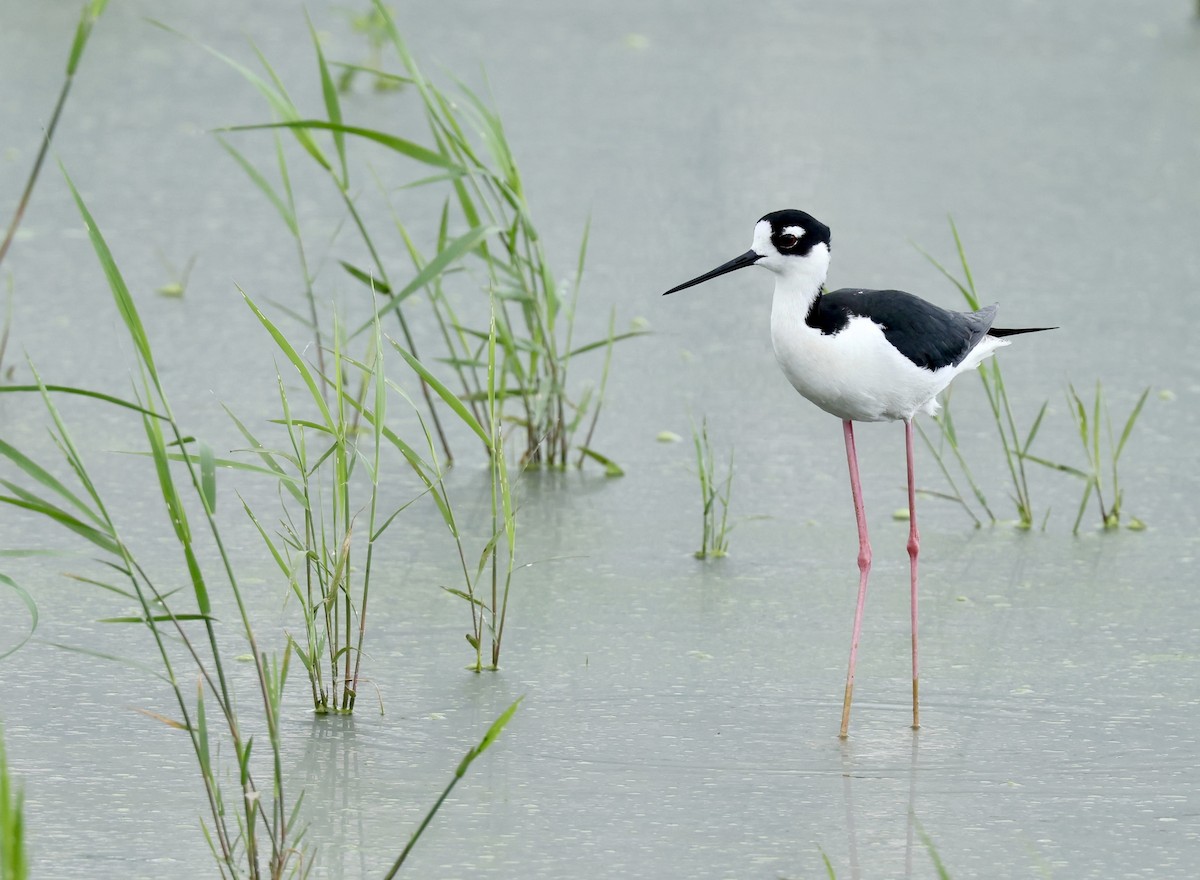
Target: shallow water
x=680 y=717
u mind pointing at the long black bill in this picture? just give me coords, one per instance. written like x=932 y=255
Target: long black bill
x=747 y=259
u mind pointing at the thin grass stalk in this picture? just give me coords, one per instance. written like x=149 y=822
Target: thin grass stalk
x=608 y=350
x=313 y=570
x=433 y=478
x=89 y=14
x=937 y=456
x=341 y=498
x=501 y=490
x=493 y=732
x=456 y=341
x=379 y=411
x=1013 y=451
x=6 y=326
x=499 y=195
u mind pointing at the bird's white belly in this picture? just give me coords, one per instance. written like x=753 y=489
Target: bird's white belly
x=855 y=373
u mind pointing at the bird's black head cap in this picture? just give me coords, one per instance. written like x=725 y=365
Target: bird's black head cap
x=795 y=233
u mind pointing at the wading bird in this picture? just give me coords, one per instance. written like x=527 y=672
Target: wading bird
x=863 y=356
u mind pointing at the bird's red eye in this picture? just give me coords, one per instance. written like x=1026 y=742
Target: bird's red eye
x=787 y=240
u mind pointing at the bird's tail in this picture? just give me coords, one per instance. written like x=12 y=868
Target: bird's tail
x=997 y=331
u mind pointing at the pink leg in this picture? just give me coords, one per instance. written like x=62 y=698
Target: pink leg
x=864 y=569
x=914 y=550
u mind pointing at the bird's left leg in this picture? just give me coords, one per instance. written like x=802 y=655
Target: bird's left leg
x=864 y=569
x=914 y=550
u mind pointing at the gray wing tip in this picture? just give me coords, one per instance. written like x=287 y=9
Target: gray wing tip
x=983 y=318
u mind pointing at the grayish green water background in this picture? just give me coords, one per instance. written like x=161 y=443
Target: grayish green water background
x=680 y=718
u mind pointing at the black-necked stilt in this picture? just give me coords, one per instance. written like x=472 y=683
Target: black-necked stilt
x=864 y=356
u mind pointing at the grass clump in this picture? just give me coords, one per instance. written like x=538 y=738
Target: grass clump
x=1099 y=457
x=534 y=312
x=1092 y=424
x=250 y=828
x=1014 y=443
x=714 y=495
x=324 y=528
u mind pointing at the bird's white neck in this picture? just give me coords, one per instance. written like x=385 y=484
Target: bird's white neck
x=799 y=282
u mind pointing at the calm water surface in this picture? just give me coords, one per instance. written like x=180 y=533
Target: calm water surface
x=680 y=718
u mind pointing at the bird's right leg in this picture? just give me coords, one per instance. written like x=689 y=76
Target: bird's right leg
x=864 y=568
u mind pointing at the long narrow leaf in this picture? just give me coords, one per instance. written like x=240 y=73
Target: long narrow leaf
x=453 y=252
x=41 y=475
x=392 y=142
x=208 y=477
x=116 y=283
x=1129 y=422
x=101 y=539
x=82 y=392
x=450 y=398
x=493 y=732
x=333 y=107
x=292 y=355
x=256 y=177
x=27 y=599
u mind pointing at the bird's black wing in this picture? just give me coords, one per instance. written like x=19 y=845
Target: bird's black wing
x=928 y=335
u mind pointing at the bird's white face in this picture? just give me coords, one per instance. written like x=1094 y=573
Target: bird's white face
x=808 y=268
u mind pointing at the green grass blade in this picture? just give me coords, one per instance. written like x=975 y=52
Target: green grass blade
x=607 y=341
x=27 y=599
x=828 y=864
x=208 y=477
x=374 y=72
x=446 y=257
x=1087 y=494
x=942 y=873
x=157 y=618
x=104 y=585
x=81 y=392
x=333 y=107
x=256 y=177
x=41 y=475
x=448 y=396
x=1129 y=422
x=493 y=732
x=966 y=294
x=611 y=468
x=298 y=362
x=116 y=283
x=275 y=95
x=397 y=144
x=92 y=10
x=101 y=539
x=286 y=108
x=1056 y=466
x=973 y=298
x=378 y=285
x=1033 y=429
